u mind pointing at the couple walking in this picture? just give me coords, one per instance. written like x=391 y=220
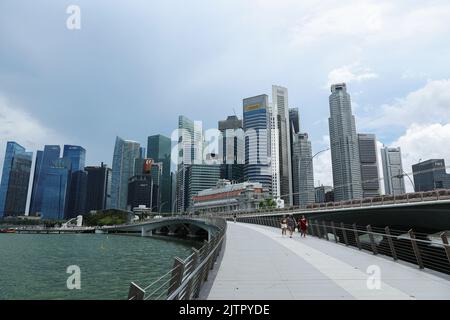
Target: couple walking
x=290 y=224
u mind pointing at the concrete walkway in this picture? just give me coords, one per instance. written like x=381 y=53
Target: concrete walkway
x=258 y=263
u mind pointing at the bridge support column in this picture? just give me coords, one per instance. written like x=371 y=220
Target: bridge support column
x=146 y=233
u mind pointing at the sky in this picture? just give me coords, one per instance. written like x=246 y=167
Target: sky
x=134 y=66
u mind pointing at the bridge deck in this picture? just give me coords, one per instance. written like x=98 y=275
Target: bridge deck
x=258 y=263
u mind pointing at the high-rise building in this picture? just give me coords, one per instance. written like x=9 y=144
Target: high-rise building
x=257 y=130
x=280 y=103
x=190 y=152
x=197 y=178
x=125 y=154
x=44 y=160
x=303 y=172
x=159 y=149
x=140 y=192
x=393 y=174
x=344 y=146
x=321 y=193
x=367 y=144
x=275 y=153
x=76 y=156
x=56 y=187
x=98 y=188
x=15 y=180
x=294 y=128
x=231 y=149
x=430 y=175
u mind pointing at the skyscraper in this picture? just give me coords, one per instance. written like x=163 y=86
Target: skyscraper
x=98 y=188
x=15 y=180
x=76 y=157
x=303 y=172
x=344 y=146
x=257 y=141
x=430 y=175
x=275 y=153
x=159 y=149
x=394 y=183
x=294 y=128
x=125 y=154
x=231 y=149
x=367 y=144
x=56 y=187
x=44 y=160
x=190 y=151
x=280 y=103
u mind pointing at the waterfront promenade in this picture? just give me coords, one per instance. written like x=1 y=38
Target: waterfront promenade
x=258 y=263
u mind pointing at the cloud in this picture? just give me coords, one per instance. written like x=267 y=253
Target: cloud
x=430 y=104
x=19 y=126
x=350 y=73
x=423 y=142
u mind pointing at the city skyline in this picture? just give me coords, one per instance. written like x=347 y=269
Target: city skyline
x=39 y=95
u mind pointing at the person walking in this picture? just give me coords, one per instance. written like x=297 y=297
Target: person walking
x=234 y=217
x=283 y=226
x=303 y=226
x=291 y=225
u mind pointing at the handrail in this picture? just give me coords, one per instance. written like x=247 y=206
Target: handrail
x=185 y=279
x=408 y=246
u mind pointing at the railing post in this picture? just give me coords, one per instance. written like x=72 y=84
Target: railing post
x=177 y=276
x=191 y=291
x=446 y=246
x=325 y=231
x=391 y=243
x=135 y=292
x=355 y=231
x=372 y=240
x=319 y=234
x=333 y=228
x=344 y=233
x=311 y=226
x=416 y=248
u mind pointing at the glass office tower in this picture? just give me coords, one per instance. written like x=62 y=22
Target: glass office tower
x=15 y=180
x=76 y=157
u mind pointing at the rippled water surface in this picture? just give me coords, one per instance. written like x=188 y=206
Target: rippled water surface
x=33 y=266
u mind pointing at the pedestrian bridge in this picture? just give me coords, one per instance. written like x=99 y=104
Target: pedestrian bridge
x=259 y=263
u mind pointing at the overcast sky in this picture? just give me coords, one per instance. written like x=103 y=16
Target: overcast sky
x=134 y=66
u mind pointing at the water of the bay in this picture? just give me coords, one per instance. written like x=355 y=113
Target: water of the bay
x=34 y=266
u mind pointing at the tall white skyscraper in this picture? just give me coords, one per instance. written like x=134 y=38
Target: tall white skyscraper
x=275 y=154
x=280 y=104
x=344 y=146
x=394 y=183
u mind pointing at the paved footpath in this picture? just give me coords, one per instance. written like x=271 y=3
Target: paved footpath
x=258 y=263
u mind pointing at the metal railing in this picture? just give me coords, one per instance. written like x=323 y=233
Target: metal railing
x=407 y=198
x=413 y=247
x=185 y=279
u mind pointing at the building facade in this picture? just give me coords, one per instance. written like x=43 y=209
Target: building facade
x=76 y=156
x=15 y=180
x=227 y=197
x=44 y=160
x=344 y=146
x=231 y=149
x=322 y=194
x=431 y=175
x=56 y=187
x=394 y=183
x=257 y=130
x=125 y=154
x=98 y=195
x=303 y=172
x=280 y=103
x=159 y=148
x=367 y=144
x=275 y=154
